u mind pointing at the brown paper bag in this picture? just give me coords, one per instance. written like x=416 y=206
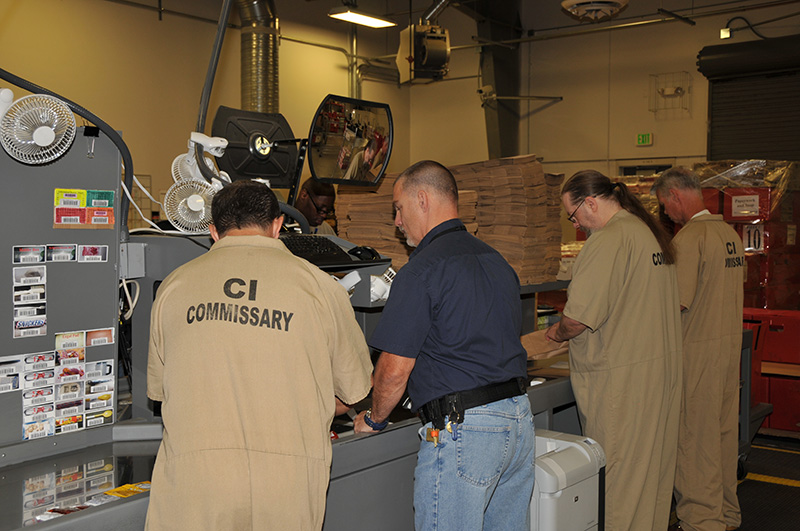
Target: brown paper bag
x=540 y=348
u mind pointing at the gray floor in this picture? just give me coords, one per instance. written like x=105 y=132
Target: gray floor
x=769 y=493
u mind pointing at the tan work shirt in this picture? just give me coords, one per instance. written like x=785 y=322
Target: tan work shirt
x=249 y=344
x=710 y=262
x=625 y=369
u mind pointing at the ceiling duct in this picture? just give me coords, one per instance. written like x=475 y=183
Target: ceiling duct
x=259 y=55
x=432 y=13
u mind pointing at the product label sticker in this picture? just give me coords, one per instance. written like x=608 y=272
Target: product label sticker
x=102 y=401
x=40 y=395
x=66 y=340
x=66 y=492
x=69 y=408
x=70 y=356
x=30 y=310
x=66 y=197
x=26 y=276
x=31 y=380
x=101 y=385
x=39 y=483
x=69 y=391
x=99 y=466
x=103 y=336
x=100 y=198
x=92 y=253
x=28 y=254
x=99 y=418
x=70 y=373
x=100 y=216
x=69 y=216
x=35 y=293
x=38 y=429
x=40 y=360
x=40 y=499
x=69 y=424
x=11 y=364
x=30 y=326
x=38 y=412
x=98 y=369
x=67 y=475
x=744 y=205
x=9 y=382
x=61 y=253
x=99 y=484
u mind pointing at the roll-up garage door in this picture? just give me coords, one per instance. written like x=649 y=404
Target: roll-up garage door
x=754 y=99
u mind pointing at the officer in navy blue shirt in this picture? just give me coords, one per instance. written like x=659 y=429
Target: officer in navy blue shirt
x=450 y=331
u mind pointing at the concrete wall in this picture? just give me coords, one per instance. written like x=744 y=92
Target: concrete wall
x=605 y=81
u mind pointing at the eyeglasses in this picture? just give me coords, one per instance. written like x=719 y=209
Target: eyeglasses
x=571 y=217
x=324 y=210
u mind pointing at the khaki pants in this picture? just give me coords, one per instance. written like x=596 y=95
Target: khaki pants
x=708 y=443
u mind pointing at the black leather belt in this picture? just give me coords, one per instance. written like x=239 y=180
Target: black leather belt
x=454 y=404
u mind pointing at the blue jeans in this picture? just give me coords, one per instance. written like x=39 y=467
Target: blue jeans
x=481 y=475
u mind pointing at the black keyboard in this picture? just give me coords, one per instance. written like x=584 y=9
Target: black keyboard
x=318 y=250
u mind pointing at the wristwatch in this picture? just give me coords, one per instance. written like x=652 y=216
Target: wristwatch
x=377 y=426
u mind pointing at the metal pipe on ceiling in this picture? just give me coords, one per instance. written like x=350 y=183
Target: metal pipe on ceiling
x=433 y=11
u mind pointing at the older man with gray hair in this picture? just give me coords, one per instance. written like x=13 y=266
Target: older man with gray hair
x=710 y=263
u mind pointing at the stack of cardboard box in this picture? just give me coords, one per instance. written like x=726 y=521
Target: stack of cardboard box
x=509 y=203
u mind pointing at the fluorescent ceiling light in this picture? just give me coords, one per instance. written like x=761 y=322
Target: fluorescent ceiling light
x=359 y=17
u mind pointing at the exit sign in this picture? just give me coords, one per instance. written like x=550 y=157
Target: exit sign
x=644 y=139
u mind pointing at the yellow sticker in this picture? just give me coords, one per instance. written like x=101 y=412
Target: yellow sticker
x=70 y=197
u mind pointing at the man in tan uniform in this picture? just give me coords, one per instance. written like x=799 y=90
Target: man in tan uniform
x=249 y=348
x=623 y=323
x=710 y=262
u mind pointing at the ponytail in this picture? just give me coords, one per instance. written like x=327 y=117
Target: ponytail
x=593 y=183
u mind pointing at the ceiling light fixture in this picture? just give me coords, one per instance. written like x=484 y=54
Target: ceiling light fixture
x=594 y=10
x=355 y=16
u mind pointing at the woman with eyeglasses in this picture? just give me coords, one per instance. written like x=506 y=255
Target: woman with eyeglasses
x=623 y=324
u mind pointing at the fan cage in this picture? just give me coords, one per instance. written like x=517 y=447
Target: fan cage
x=180 y=215
x=25 y=116
x=182 y=169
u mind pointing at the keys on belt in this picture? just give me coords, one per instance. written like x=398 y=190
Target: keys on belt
x=432 y=434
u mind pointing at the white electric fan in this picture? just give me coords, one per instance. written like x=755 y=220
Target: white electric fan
x=184 y=167
x=35 y=129
x=187 y=203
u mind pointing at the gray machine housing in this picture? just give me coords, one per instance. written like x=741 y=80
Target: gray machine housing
x=570 y=483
